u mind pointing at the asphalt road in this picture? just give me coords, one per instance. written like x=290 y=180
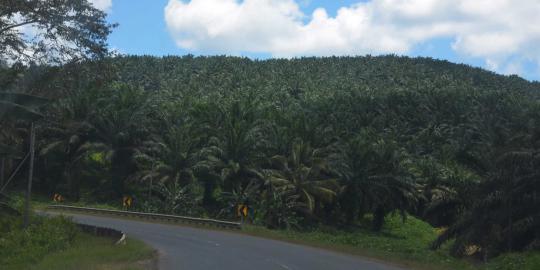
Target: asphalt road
x=198 y=249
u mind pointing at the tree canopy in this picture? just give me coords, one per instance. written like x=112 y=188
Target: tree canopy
x=52 y=31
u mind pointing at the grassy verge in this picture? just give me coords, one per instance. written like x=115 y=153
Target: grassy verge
x=404 y=244
x=57 y=243
x=96 y=253
x=522 y=261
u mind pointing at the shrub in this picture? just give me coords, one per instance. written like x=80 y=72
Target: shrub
x=43 y=236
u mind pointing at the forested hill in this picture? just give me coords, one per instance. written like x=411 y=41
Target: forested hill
x=295 y=76
x=311 y=74
x=304 y=141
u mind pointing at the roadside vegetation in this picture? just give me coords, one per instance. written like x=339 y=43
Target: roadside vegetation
x=401 y=243
x=94 y=253
x=20 y=248
x=57 y=243
x=310 y=144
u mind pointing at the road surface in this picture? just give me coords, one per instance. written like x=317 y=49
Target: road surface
x=199 y=249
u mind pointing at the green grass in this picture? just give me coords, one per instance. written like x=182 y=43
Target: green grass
x=56 y=243
x=94 y=253
x=404 y=244
x=512 y=261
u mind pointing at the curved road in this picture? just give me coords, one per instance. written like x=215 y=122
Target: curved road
x=199 y=249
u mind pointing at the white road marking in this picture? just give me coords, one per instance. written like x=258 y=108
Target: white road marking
x=279 y=264
x=198 y=240
x=213 y=243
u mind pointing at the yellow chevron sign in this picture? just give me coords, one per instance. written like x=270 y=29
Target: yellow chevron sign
x=127 y=201
x=242 y=210
x=58 y=198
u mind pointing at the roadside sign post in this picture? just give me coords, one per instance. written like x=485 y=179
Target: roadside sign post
x=127 y=201
x=242 y=211
x=58 y=198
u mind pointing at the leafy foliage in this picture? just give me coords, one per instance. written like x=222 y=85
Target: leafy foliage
x=64 y=30
x=45 y=235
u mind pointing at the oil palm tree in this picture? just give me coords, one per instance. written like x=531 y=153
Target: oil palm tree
x=305 y=172
x=376 y=179
x=120 y=124
x=170 y=157
x=70 y=136
x=505 y=215
x=445 y=190
x=230 y=153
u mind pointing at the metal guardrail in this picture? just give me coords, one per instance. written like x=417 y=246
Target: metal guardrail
x=118 y=236
x=150 y=216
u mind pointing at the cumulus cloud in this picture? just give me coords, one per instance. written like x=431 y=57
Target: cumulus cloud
x=104 y=5
x=502 y=32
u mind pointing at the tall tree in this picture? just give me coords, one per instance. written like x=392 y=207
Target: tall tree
x=505 y=215
x=52 y=31
x=306 y=172
x=69 y=137
x=377 y=179
x=231 y=153
x=169 y=158
x=120 y=125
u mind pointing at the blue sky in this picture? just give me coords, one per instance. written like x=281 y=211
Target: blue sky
x=456 y=31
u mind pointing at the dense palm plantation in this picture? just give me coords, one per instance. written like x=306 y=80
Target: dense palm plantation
x=303 y=142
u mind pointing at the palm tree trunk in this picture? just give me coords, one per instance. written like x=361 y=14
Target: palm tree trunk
x=74 y=188
x=151 y=181
x=30 y=176
x=2 y=171
x=209 y=187
x=510 y=223
x=121 y=167
x=378 y=218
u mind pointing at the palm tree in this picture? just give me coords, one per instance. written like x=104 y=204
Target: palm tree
x=170 y=157
x=445 y=189
x=120 y=125
x=230 y=153
x=178 y=198
x=376 y=179
x=280 y=208
x=305 y=172
x=504 y=217
x=69 y=138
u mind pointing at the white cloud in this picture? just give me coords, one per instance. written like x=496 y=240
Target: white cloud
x=494 y=30
x=226 y=26
x=104 y=5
